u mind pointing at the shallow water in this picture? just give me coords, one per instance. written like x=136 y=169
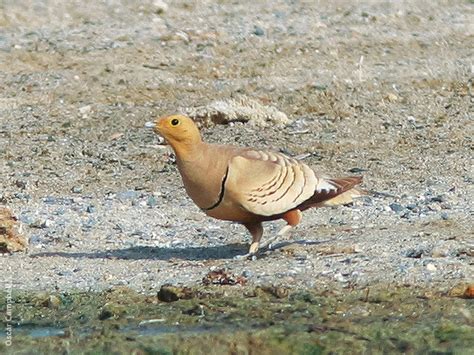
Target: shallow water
x=223 y=319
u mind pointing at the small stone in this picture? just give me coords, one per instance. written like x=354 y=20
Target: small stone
x=110 y=310
x=151 y=201
x=440 y=251
x=21 y=184
x=91 y=222
x=59 y=211
x=275 y=291
x=396 y=207
x=197 y=216
x=338 y=277
x=85 y=110
x=357 y=170
x=47 y=223
x=53 y=301
x=127 y=195
x=258 y=31
x=50 y=200
x=76 y=190
x=431 y=267
x=438 y=198
x=197 y=310
x=170 y=293
x=444 y=216
x=319 y=87
x=391 y=97
x=415 y=253
x=37 y=223
x=160 y=6
x=90 y=209
x=434 y=207
x=247 y=273
x=405 y=214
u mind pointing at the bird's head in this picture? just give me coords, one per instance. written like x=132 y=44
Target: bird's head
x=177 y=130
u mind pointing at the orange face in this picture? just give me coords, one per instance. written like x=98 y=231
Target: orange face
x=177 y=129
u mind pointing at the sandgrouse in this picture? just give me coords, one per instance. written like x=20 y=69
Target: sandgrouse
x=247 y=185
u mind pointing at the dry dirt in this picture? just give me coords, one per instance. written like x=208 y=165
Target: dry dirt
x=378 y=88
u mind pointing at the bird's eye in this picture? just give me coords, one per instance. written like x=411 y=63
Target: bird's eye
x=174 y=122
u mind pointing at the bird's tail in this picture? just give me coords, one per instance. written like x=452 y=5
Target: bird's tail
x=344 y=198
x=343 y=192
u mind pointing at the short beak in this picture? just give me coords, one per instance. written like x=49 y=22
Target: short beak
x=150 y=124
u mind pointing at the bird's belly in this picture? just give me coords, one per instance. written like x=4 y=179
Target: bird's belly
x=231 y=212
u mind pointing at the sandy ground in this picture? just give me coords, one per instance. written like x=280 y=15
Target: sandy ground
x=382 y=89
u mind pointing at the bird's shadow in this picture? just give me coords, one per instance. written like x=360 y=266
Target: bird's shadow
x=227 y=251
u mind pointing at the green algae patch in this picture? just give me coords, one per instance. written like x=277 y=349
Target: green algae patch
x=240 y=319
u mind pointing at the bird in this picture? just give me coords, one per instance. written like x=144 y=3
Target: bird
x=247 y=185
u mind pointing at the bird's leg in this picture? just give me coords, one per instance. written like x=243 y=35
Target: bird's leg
x=293 y=217
x=256 y=230
x=281 y=232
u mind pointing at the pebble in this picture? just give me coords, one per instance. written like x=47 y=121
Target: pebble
x=392 y=97
x=41 y=224
x=59 y=211
x=52 y=302
x=430 y=267
x=396 y=207
x=76 y=190
x=434 y=207
x=415 y=253
x=247 y=273
x=26 y=219
x=160 y=6
x=438 y=198
x=258 y=31
x=151 y=201
x=91 y=222
x=22 y=196
x=338 y=277
x=21 y=184
x=405 y=214
x=444 y=216
x=85 y=110
x=357 y=170
x=127 y=195
x=35 y=239
x=440 y=251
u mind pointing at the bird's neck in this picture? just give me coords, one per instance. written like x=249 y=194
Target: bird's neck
x=186 y=151
x=201 y=172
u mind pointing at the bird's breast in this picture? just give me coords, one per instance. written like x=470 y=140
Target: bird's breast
x=203 y=182
x=230 y=211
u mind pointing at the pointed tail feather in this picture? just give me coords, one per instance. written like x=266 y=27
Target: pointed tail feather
x=344 y=198
x=343 y=192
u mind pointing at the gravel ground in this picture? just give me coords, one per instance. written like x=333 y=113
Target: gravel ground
x=382 y=89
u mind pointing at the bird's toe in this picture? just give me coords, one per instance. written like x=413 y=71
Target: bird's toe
x=248 y=256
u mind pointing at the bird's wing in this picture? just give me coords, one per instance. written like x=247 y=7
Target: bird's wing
x=269 y=183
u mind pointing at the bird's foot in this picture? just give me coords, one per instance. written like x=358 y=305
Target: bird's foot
x=251 y=255
x=270 y=243
x=248 y=256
